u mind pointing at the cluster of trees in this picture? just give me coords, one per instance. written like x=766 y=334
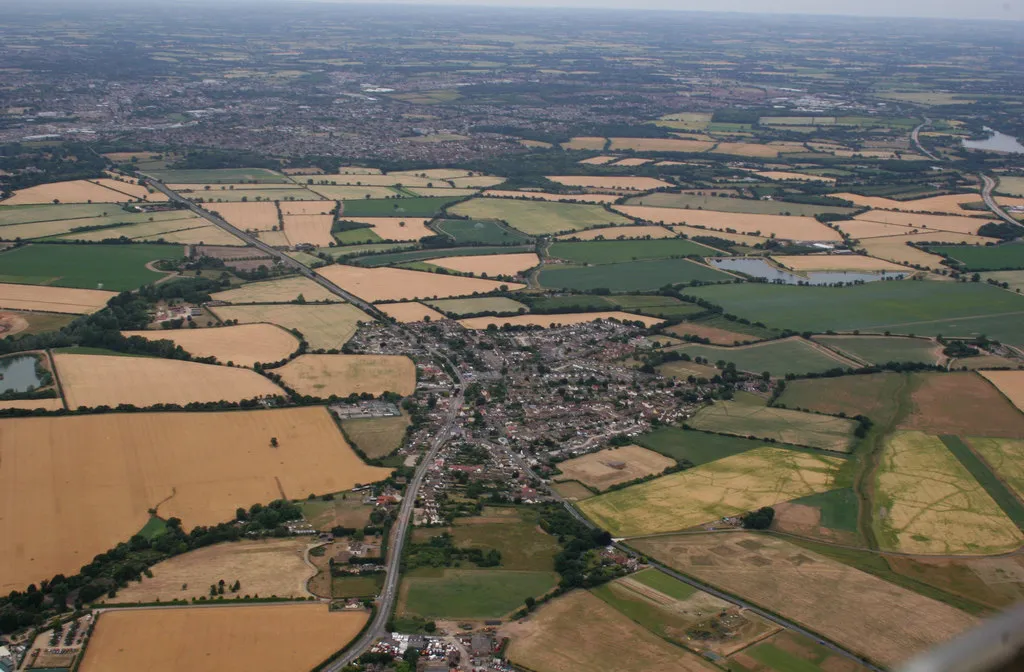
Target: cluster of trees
x=23 y=166
x=440 y=551
x=760 y=519
x=579 y=542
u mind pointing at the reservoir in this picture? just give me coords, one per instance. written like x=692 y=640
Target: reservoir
x=19 y=374
x=997 y=142
x=759 y=268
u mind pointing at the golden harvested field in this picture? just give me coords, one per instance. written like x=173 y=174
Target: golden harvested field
x=786 y=227
x=861 y=229
x=927 y=502
x=726 y=487
x=539 y=217
x=781 y=424
x=755 y=150
x=440 y=191
x=274 y=238
x=861 y=612
x=306 y=207
x=491 y=264
x=571 y=490
x=619 y=183
x=187 y=221
x=557 y=319
x=926 y=223
x=1010 y=383
x=631 y=163
x=53 y=299
x=32 y=404
x=585 y=143
x=75 y=191
x=477 y=181
x=376 y=180
x=613 y=233
x=324 y=326
x=342 y=375
x=837 y=262
x=276 y=291
x=410 y=311
x=895 y=248
x=351 y=193
x=110 y=380
x=741 y=238
x=312 y=229
x=284 y=638
x=598 y=634
x=204 y=235
x=716 y=335
x=396 y=284
x=786 y=175
x=660 y=145
x=244 y=344
x=545 y=196
x=95 y=476
x=435 y=173
x=247 y=216
x=950 y=203
x=597 y=160
x=265 y=567
x=536 y=144
x=132 y=189
x=343 y=173
x=612 y=466
x=396 y=228
x=1006 y=457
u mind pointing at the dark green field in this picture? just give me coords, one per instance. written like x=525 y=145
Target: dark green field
x=659 y=306
x=420 y=255
x=727 y=204
x=459 y=593
x=611 y=251
x=695 y=447
x=838 y=508
x=777 y=357
x=572 y=303
x=357 y=586
x=395 y=207
x=629 y=276
x=904 y=307
x=992 y=258
x=111 y=267
x=1006 y=500
x=484 y=232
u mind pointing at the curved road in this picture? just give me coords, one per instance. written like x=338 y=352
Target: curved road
x=986 y=194
x=917 y=142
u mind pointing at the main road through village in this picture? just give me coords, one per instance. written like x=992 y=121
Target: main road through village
x=400 y=527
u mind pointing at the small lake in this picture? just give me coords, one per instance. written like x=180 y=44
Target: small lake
x=997 y=142
x=19 y=374
x=759 y=268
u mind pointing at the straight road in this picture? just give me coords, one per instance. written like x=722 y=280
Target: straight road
x=988 y=184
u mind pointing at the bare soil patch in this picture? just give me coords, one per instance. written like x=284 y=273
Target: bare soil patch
x=342 y=375
x=612 y=466
x=961 y=403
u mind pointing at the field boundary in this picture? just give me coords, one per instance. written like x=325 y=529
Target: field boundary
x=987 y=477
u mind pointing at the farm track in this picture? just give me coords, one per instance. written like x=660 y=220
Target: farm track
x=829 y=352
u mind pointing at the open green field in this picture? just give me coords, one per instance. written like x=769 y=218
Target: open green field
x=783 y=425
x=515 y=533
x=539 y=217
x=611 y=251
x=572 y=303
x=396 y=258
x=793 y=355
x=1009 y=256
x=1006 y=457
x=357 y=586
x=1014 y=280
x=743 y=205
x=1014 y=186
x=343 y=510
x=495 y=304
x=838 y=508
x=629 y=276
x=253 y=195
x=360 y=236
x=219 y=176
x=469 y=593
x=377 y=437
x=996 y=488
x=695 y=447
x=110 y=267
x=883 y=349
x=915 y=307
x=659 y=306
x=479 y=232
x=395 y=207
x=372 y=248
x=23 y=214
x=111 y=222
x=789 y=651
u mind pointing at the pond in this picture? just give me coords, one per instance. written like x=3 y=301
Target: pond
x=760 y=268
x=997 y=142
x=18 y=374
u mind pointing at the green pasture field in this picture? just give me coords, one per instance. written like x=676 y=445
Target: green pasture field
x=1009 y=256
x=357 y=586
x=659 y=618
x=471 y=594
x=356 y=236
x=883 y=349
x=667 y=307
x=796 y=653
x=153 y=528
x=1013 y=186
x=372 y=248
x=838 y=508
x=664 y=583
x=743 y=205
x=903 y=307
x=579 y=303
x=783 y=425
x=1006 y=457
x=254 y=195
x=377 y=437
x=23 y=214
x=629 y=276
x=539 y=217
x=519 y=539
x=346 y=510
x=115 y=267
x=995 y=487
x=613 y=251
x=477 y=232
x=776 y=357
x=219 y=176
x=40 y=323
x=695 y=447
x=421 y=255
x=395 y=207
x=495 y=304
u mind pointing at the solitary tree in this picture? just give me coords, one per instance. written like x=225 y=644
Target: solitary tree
x=273 y=442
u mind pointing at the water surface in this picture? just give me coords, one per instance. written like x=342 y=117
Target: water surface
x=997 y=142
x=19 y=374
x=760 y=268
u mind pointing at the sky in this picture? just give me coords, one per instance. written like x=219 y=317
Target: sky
x=1012 y=10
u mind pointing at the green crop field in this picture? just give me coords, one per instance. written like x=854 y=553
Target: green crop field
x=517 y=536
x=629 y=276
x=743 y=205
x=611 y=251
x=420 y=255
x=539 y=217
x=477 y=594
x=493 y=304
x=356 y=236
x=996 y=489
x=356 y=586
x=219 y=176
x=695 y=447
x=883 y=349
x=1006 y=457
x=395 y=207
x=663 y=583
x=793 y=355
x=372 y=248
x=476 y=232
x=572 y=303
x=790 y=652
x=904 y=307
x=23 y=214
x=838 y=508
x=783 y=425
x=659 y=306
x=111 y=267
x=1009 y=256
